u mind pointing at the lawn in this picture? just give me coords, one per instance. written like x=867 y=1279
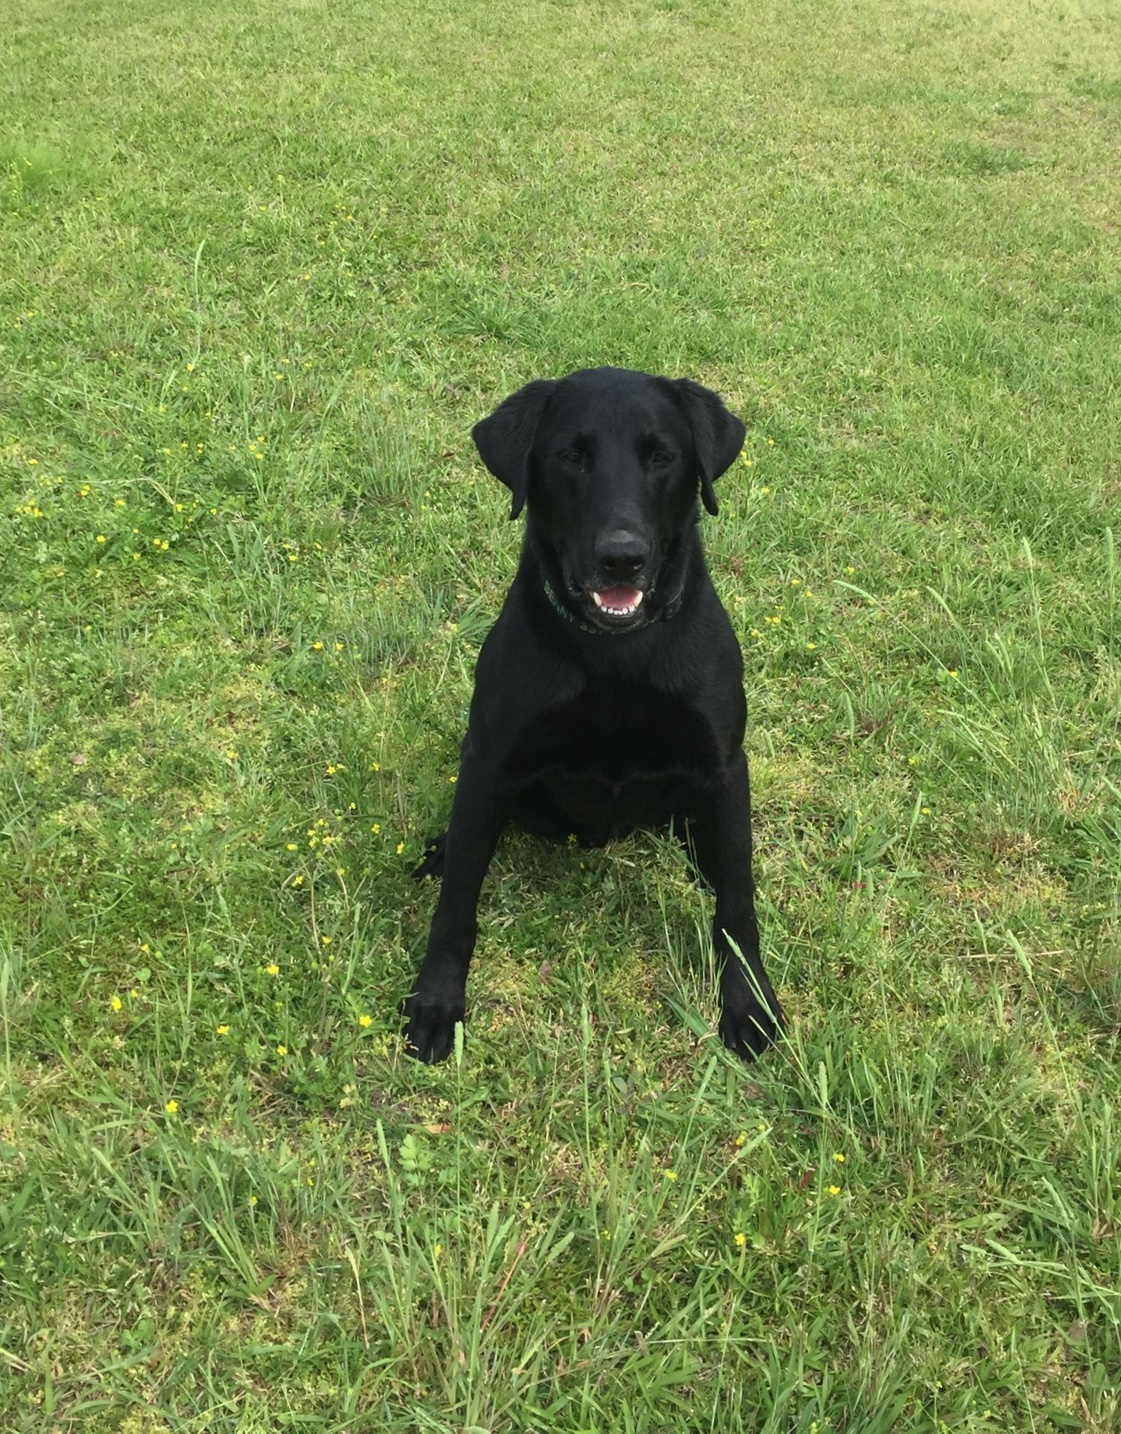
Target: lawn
x=262 y=269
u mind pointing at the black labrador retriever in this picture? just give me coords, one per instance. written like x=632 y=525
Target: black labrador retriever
x=609 y=693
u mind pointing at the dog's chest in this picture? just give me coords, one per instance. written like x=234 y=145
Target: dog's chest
x=616 y=737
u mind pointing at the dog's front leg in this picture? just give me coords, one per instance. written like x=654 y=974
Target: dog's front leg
x=720 y=840
x=439 y=996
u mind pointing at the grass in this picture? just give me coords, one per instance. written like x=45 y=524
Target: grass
x=262 y=271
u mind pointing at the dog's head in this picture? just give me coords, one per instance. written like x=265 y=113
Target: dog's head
x=610 y=463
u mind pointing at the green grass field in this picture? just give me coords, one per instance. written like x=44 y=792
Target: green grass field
x=261 y=269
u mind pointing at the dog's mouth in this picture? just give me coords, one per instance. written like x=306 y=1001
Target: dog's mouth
x=615 y=607
x=618 y=602
x=607 y=604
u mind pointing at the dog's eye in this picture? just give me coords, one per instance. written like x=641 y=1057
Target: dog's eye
x=659 y=458
x=572 y=457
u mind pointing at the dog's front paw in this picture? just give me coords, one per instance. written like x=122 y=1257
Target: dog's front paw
x=430 y=1028
x=748 y=1027
x=433 y=863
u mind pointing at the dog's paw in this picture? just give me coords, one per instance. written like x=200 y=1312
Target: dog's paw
x=430 y=1028
x=433 y=863
x=748 y=1027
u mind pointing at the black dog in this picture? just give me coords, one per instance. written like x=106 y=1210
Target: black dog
x=609 y=693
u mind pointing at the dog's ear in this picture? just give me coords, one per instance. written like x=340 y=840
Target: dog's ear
x=717 y=435
x=505 y=438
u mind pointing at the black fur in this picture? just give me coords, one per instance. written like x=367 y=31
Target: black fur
x=591 y=718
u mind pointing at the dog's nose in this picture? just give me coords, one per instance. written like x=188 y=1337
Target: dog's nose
x=621 y=553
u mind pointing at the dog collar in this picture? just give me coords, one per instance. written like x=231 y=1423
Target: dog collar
x=670 y=610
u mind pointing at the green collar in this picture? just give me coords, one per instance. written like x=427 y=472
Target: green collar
x=571 y=617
